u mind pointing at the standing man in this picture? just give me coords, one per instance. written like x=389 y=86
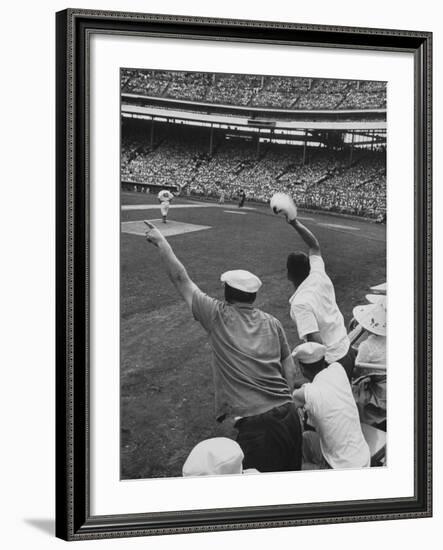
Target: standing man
x=338 y=440
x=252 y=364
x=165 y=197
x=314 y=309
x=242 y=196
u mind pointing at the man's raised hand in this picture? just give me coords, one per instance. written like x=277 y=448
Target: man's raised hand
x=153 y=235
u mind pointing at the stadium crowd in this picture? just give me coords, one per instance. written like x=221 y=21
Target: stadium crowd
x=326 y=181
x=257 y=91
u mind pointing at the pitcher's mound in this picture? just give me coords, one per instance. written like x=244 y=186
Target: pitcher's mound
x=168 y=229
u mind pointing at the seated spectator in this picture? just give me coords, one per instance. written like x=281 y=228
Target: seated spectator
x=337 y=441
x=369 y=387
x=372 y=318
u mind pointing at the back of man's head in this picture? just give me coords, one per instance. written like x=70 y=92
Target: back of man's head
x=240 y=286
x=310 y=370
x=235 y=295
x=311 y=357
x=298 y=267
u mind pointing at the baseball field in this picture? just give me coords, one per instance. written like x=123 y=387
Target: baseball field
x=167 y=399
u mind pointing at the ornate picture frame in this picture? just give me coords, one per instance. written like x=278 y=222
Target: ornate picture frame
x=74 y=520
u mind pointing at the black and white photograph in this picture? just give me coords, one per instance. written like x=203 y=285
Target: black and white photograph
x=219 y=244
x=253 y=295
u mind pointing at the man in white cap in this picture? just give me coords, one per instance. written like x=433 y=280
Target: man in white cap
x=252 y=364
x=338 y=440
x=313 y=306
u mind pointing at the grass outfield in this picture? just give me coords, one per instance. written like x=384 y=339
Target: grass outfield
x=167 y=397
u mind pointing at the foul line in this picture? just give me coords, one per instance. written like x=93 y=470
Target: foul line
x=338 y=226
x=157 y=206
x=193 y=205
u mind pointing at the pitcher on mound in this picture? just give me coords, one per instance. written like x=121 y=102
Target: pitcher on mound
x=165 y=197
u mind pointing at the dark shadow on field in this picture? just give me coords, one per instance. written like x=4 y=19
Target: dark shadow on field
x=167 y=396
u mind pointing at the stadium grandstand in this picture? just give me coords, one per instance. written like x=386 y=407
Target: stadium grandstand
x=202 y=134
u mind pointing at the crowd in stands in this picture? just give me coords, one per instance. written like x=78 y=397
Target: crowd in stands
x=172 y=160
x=256 y=91
x=327 y=180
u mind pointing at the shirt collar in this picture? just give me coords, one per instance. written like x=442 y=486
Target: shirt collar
x=240 y=305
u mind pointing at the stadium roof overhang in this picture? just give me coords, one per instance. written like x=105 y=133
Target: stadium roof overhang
x=254 y=111
x=235 y=121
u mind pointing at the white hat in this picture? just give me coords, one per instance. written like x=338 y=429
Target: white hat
x=372 y=317
x=376 y=298
x=215 y=456
x=241 y=280
x=310 y=352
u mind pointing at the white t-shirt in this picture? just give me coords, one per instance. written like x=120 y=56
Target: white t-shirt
x=314 y=309
x=333 y=413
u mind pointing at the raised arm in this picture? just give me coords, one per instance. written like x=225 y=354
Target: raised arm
x=174 y=268
x=308 y=237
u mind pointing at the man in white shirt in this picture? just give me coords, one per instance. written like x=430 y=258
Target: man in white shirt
x=313 y=307
x=338 y=440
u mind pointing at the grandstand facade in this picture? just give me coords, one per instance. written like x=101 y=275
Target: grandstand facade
x=203 y=134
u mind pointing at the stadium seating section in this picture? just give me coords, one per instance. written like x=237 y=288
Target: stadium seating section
x=293 y=93
x=328 y=180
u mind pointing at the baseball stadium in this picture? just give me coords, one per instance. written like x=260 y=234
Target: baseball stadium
x=223 y=145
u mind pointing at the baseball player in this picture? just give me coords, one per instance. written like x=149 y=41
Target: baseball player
x=164 y=198
x=242 y=197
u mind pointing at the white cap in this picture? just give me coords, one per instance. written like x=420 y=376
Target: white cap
x=372 y=317
x=215 y=456
x=241 y=280
x=310 y=352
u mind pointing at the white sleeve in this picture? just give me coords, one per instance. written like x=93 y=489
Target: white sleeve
x=317 y=263
x=304 y=318
x=364 y=353
x=312 y=400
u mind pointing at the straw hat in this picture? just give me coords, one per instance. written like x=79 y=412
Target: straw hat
x=380 y=289
x=376 y=298
x=372 y=317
